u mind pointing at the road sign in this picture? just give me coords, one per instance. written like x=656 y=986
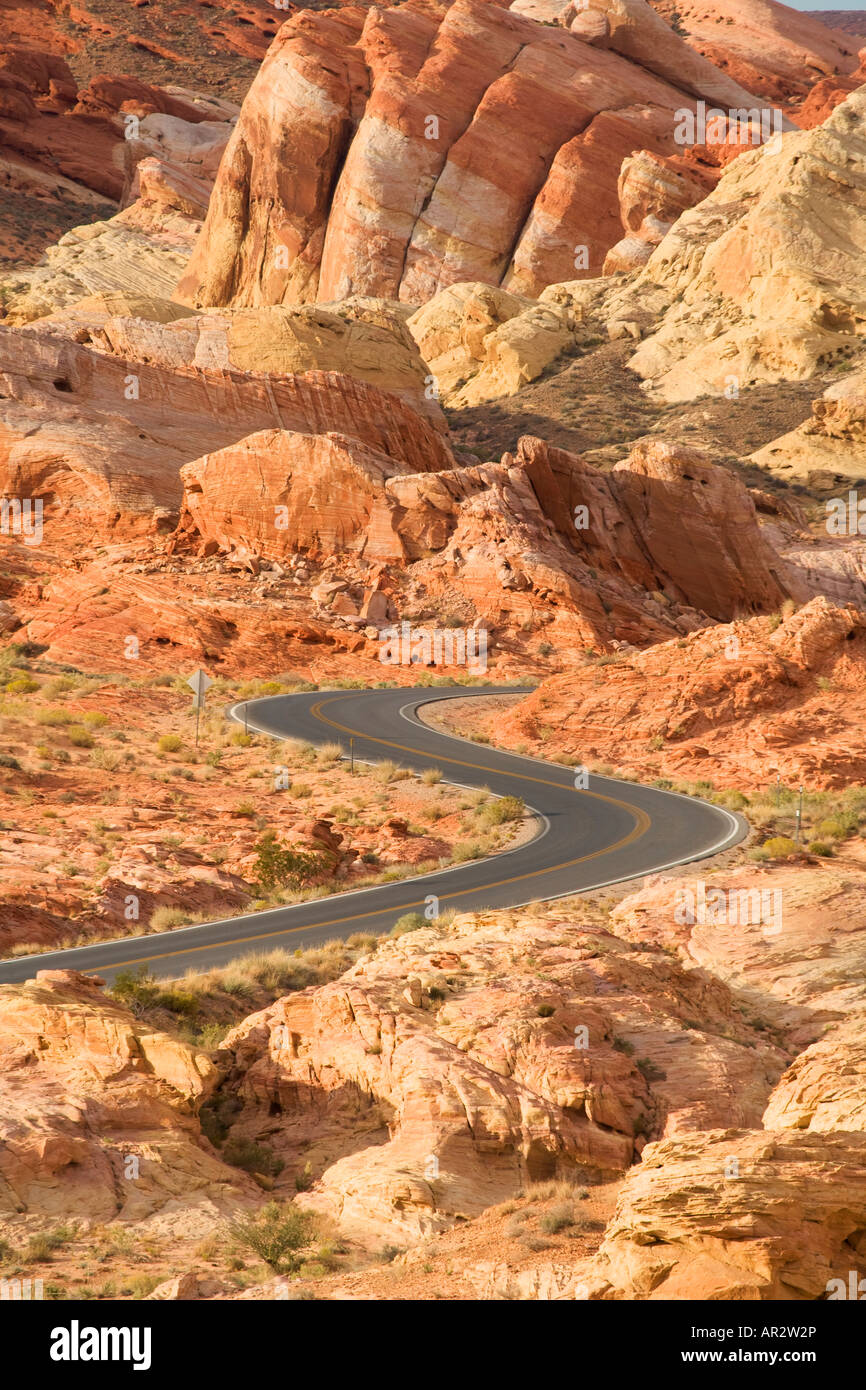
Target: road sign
x=199 y=682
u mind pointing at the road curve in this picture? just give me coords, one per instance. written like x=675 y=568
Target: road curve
x=611 y=832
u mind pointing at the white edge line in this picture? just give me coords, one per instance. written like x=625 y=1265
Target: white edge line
x=736 y=825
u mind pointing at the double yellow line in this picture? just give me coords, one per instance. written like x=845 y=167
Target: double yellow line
x=641 y=819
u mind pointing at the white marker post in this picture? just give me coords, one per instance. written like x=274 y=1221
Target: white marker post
x=199 y=682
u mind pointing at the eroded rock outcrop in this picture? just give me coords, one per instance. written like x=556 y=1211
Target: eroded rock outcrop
x=101 y=434
x=640 y=552
x=831 y=445
x=762 y=281
x=735 y=704
x=393 y=154
x=436 y=1076
x=481 y=343
x=98 y=1116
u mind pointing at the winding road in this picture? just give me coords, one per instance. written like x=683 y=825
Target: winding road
x=586 y=839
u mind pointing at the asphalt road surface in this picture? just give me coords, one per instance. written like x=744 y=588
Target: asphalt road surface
x=609 y=833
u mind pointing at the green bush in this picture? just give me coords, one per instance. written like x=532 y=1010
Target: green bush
x=275 y=1234
x=410 y=921
x=280 y=867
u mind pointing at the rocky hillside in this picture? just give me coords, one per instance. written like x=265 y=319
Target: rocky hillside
x=318 y=321
x=509 y=1102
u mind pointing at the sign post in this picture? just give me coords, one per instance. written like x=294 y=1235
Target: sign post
x=199 y=683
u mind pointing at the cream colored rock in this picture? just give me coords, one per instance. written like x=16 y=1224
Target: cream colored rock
x=481 y=343
x=98 y=1114
x=442 y=1072
x=825 y=1087
x=832 y=442
x=736 y=1215
x=764 y=280
x=132 y=253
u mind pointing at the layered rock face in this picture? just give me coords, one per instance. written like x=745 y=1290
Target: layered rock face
x=98 y=1114
x=652 y=195
x=737 y=704
x=787 y=1221
x=762 y=281
x=393 y=154
x=85 y=428
x=437 y=1076
x=539 y=531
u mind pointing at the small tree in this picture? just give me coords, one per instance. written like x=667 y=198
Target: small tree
x=280 y=867
x=275 y=1234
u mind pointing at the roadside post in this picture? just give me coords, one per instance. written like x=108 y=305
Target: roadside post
x=199 y=682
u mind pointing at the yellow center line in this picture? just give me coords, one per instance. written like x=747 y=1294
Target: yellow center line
x=642 y=824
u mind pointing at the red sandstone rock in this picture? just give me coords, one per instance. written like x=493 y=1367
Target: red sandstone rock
x=392 y=154
x=738 y=704
x=91 y=430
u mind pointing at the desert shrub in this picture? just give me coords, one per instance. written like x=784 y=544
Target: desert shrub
x=139 y=990
x=649 y=1070
x=506 y=808
x=471 y=850
x=545 y=1011
x=825 y=849
x=107 y=759
x=53 y=717
x=42 y=1246
x=304 y=1178
x=252 y=1157
x=166 y=918
x=275 y=1234
x=410 y=921
x=779 y=847
x=838 y=827
x=277 y=866
x=386 y=771
x=170 y=743
x=559 y=1218
x=79 y=737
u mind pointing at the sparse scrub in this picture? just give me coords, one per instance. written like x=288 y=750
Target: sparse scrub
x=410 y=921
x=275 y=1234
